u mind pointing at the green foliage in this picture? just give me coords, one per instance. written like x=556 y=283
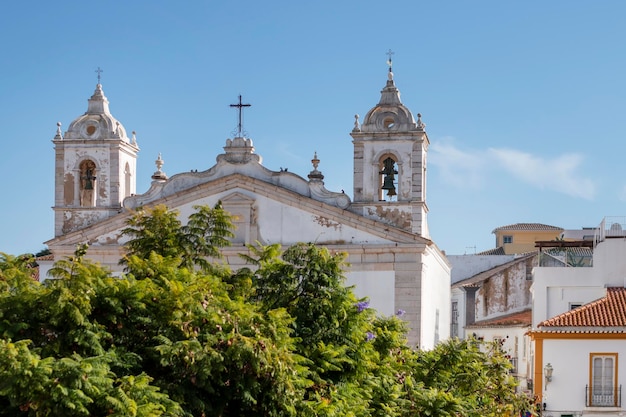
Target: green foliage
x=159 y=230
x=179 y=336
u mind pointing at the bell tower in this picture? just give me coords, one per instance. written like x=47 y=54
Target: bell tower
x=390 y=150
x=95 y=167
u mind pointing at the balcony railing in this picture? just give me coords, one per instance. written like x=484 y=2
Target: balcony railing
x=605 y=397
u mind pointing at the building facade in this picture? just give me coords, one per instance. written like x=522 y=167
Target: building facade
x=491 y=302
x=383 y=229
x=521 y=237
x=579 y=330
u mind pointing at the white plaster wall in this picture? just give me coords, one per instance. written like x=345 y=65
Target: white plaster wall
x=503 y=293
x=98 y=154
x=560 y=299
x=554 y=288
x=466 y=266
x=609 y=262
x=281 y=223
x=44 y=268
x=435 y=298
x=125 y=158
x=570 y=363
x=378 y=286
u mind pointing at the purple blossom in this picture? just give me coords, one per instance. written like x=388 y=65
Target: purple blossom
x=362 y=305
x=400 y=313
x=370 y=336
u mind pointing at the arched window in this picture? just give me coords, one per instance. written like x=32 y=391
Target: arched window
x=127 y=176
x=387 y=176
x=87 y=183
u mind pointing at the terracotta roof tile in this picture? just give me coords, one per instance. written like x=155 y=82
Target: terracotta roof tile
x=497 y=251
x=527 y=226
x=608 y=311
x=521 y=318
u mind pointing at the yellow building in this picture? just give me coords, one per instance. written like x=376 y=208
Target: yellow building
x=521 y=237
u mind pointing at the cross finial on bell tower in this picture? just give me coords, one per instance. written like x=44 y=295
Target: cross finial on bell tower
x=240 y=106
x=389 y=53
x=99 y=71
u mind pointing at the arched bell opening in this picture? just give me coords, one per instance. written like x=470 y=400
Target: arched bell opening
x=87 y=169
x=388 y=171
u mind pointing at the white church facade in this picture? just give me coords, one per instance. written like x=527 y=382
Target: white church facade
x=383 y=228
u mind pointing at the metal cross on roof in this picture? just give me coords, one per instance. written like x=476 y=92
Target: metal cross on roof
x=240 y=106
x=99 y=71
x=389 y=53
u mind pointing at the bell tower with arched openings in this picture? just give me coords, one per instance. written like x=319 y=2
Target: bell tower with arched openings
x=390 y=150
x=95 y=167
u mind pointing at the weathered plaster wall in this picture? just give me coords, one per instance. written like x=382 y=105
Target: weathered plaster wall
x=506 y=291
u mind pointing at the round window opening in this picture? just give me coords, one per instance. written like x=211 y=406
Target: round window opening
x=91 y=130
x=389 y=123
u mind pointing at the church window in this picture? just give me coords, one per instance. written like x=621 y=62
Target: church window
x=87 y=183
x=389 y=123
x=387 y=177
x=127 y=176
x=91 y=130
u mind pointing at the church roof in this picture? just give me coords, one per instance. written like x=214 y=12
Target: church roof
x=606 y=312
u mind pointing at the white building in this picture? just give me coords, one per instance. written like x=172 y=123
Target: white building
x=491 y=302
x=383 y=229
x=579 y=331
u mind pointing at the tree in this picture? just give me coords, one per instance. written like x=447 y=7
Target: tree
x=159 y=230
x=360 y=364
x=180 y=336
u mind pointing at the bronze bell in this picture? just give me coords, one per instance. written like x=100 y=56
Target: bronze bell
x=388 y=185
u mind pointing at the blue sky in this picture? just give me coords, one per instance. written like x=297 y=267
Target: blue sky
x=524 y=102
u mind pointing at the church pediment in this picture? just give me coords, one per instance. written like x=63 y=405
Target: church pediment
x=262 y=212
x=179 y=183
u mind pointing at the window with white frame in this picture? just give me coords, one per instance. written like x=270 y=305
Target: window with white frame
x=507 y=239
x=454 y=327
x=603 y=384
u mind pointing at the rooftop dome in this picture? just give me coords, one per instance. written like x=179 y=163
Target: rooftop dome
x=97 y=122
x=390 y=115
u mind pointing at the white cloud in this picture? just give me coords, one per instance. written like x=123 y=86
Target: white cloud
x=560 y=174
x=471 y=168
x=457 y=167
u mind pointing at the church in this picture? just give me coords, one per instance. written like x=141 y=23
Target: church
x=383 y=228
